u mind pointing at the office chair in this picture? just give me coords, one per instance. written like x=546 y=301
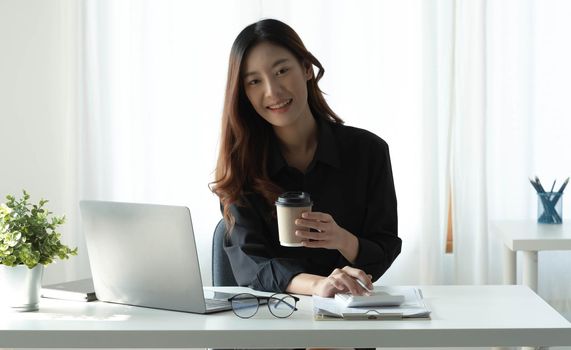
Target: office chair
x=222 y=274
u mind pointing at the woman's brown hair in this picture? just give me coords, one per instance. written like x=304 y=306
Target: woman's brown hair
x=245 y=136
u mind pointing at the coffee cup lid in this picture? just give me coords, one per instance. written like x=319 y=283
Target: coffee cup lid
x=294 y=199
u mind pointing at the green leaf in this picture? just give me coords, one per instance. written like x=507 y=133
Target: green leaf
x=27 y=233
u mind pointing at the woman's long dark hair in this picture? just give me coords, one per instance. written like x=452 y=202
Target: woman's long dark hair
x=245 y=136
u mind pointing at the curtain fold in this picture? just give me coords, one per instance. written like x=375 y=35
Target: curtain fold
x=468 y=140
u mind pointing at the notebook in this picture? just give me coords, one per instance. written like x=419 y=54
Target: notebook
x=145 y=255
x=413 y=306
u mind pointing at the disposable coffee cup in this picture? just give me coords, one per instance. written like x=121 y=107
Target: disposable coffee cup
x=289 y=207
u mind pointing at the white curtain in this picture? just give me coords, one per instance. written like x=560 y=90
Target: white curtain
x=469 y=96
x=527 y=121
x=509 y=75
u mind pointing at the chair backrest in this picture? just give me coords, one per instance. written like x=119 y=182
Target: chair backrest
x=222 y=274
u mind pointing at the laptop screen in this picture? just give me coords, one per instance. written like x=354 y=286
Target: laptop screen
x=143 y=255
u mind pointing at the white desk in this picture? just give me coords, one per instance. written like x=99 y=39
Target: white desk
x=529 y=237
x=463 y=316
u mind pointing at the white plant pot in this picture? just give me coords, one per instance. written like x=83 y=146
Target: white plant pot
x=20 y=287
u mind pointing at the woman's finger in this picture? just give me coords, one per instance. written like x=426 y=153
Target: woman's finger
x=316 y=225
x=315 y=215
x=354 y=272
x=351 y=284
x=359 y=274
x=314 y=244
x=335 y=282
x=313 y=235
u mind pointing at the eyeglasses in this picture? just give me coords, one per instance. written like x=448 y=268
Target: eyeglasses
x=246 y=305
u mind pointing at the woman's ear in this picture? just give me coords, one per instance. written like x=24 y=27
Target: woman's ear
x=307 y=70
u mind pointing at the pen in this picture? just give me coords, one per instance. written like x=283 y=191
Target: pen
x=564 y=185
x=539 y=185
x=551 y=194
x=362 y=284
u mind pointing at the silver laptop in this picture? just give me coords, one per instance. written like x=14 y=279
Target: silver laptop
x=145 y=255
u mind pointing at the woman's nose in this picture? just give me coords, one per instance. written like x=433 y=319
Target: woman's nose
x=273 y=88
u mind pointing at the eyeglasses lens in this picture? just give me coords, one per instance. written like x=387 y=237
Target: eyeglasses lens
x=245 y=305
x=281 y=305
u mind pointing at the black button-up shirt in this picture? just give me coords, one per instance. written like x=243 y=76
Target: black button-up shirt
x=351 y=179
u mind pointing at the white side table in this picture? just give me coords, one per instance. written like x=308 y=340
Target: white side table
x=529 y=237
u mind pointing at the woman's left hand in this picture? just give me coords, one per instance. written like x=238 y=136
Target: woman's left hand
x=327 y=233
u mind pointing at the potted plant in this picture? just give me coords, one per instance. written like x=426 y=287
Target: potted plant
x=28 y=242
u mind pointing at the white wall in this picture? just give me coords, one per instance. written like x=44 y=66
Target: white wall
x=38 y=113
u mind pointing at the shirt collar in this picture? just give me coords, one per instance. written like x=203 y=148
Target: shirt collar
x=326 y=152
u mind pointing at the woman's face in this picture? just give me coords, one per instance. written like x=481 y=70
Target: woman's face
x=275 y=83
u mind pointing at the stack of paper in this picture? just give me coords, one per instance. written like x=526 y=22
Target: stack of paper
x=413 y=306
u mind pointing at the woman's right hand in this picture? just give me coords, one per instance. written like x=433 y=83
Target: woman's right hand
x=342 y=281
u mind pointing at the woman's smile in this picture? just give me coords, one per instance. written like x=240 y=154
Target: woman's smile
x=280 y=107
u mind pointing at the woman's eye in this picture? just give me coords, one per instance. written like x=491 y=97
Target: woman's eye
x=253 y=82
x=282 y=71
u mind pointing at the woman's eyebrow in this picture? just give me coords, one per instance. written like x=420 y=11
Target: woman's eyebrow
x=276 y=63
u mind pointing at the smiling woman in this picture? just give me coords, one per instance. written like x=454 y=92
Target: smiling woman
x=279 y=134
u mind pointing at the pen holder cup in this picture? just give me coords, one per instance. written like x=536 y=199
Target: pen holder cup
x=550 y=208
